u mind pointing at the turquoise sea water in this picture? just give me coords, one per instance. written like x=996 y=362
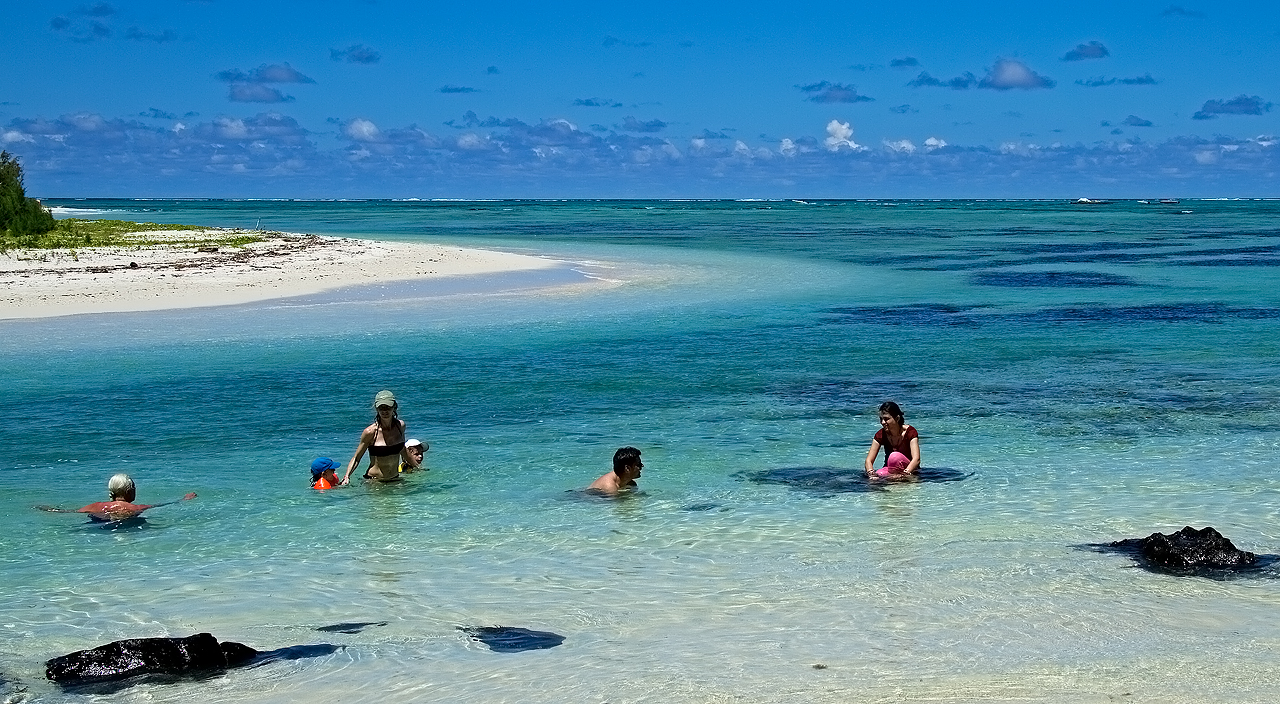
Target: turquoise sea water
x=1081 y=374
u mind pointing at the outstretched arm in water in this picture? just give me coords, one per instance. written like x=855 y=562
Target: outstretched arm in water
x=114 y=510
x=914 y=466
x=366 y=439
x=870 y=464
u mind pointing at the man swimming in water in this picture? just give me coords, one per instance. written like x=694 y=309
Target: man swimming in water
x=122 y=492
x=626 y=470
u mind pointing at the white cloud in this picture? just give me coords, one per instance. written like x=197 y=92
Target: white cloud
x=85 y=122
x=1011 y=73
x=230 y=128
x=840 y=134
x=902 y=146
x=270 y=154
x=362 y=130
x=472 y=141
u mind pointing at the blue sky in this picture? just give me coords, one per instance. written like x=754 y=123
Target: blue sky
x=373 y=98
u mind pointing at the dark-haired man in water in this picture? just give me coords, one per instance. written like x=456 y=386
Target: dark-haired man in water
x=122 y=492
x=626 y=470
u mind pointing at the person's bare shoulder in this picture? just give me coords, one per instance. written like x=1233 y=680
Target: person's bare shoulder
x=607 y=483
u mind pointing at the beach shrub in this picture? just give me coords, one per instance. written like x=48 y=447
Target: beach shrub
x=74 y=233
x=21 y=218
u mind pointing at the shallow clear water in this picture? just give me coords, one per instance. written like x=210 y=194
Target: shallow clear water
x=1086 y=373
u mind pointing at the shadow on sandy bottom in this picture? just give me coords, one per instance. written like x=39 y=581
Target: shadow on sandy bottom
x=350 y=627
x=1264 y=566
x=829 y=481
x=508 y=639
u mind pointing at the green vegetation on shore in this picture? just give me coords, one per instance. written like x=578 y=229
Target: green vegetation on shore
x=26 y=224
x=20 y=216
x=74 y=233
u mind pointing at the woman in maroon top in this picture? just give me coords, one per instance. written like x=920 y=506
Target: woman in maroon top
x=900 y=441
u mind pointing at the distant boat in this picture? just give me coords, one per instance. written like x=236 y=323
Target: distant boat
x=1144 y=202
x=1087 y=201
x=1169 y=201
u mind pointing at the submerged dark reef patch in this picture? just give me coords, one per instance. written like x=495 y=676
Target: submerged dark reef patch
x=352 y=627
x=1049 y=279
x=916 y=315
x=1152 y=313
x=829 y=481
x=939 y=315
x=508 y=639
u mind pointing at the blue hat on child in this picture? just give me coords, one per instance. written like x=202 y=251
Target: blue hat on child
x=320 y=464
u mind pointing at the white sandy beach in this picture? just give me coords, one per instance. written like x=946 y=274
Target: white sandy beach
x=44 y=283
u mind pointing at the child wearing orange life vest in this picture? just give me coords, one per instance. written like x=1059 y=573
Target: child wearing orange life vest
x=322 y=474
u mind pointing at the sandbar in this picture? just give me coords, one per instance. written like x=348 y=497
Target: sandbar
x=46 y=283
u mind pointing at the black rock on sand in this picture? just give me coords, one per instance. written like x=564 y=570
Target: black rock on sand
x=1202 y=552
x=147 y=656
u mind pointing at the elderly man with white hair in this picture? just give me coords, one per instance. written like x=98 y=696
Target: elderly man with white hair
x=121 y=491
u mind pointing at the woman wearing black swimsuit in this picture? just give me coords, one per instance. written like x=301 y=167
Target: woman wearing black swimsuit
x=384 y=440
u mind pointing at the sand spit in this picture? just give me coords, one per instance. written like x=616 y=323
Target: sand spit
x=43 y=283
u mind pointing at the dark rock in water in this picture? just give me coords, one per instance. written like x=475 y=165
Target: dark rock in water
x=353 y=627
x=237 y=654
x=142 y=656
x=506 y=639
x=1188 y=549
